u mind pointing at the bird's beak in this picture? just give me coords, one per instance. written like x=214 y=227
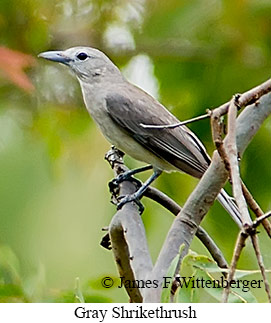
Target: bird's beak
x=56 y=56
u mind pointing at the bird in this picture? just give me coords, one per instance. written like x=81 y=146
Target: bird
x=121 y=109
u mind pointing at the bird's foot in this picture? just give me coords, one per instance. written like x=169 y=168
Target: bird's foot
x=130 y=198
x=126 y=176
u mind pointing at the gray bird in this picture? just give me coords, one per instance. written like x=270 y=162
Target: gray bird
x=120 y=110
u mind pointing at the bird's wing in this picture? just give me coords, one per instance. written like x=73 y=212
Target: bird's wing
x=178 y=146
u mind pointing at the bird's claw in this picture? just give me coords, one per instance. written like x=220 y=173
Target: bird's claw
x=114 y=183
x=130 y=198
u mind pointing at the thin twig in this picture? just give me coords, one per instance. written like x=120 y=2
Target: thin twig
x=216 y=128
x=260 y=219
x=212 y=247
x=256 y=209
x=163 y=199
x=255 y=242
x=247 y=98
x=231 y=150
x=244 y=99
x=240 y=244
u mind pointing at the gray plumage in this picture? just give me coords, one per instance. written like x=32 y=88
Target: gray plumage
x=119 y=107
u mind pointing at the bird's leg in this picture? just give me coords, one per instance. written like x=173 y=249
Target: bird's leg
x=127 y=176
x=135 y=197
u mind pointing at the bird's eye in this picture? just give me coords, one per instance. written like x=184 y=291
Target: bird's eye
x=82 y=56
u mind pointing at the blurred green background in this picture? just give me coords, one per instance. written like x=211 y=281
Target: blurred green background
x=190 y=54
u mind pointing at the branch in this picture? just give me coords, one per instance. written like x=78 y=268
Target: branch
x=257 y=250
x=126 y=230
x=174 y=208
x=257 y=210
x=162 y=199
x=261 y=219
x=240 y=244
x=212 y=247
x=231 y=163
x=123 y=235
x=216 y=127
x=187 y=221
x=122 y=253
x=248 y=98
x=232 y=154
x=201 y=234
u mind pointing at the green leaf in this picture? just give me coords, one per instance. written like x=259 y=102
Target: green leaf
x=215 y=289
x=202 y=262
x=246 y=273
x=205 y=269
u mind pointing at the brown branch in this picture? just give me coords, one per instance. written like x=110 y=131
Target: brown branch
x=241 y=195
x=174 y=208
x=238 y=191
x=255 y=242
x=240 y=244
x=232 y=154
x=247 y=98
x=164 y=200
x=216 y=128
x=186 y=223
x=256 y=209
x=261 y=218
x=201 y=234
x=212 y=248
x=124 y=238
x=123 y=256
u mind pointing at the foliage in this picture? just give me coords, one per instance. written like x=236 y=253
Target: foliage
x=204 y=269
x=192 y=55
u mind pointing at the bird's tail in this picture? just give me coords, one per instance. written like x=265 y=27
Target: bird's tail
x=230 y=206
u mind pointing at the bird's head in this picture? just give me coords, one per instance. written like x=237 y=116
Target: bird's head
x=89 y=64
